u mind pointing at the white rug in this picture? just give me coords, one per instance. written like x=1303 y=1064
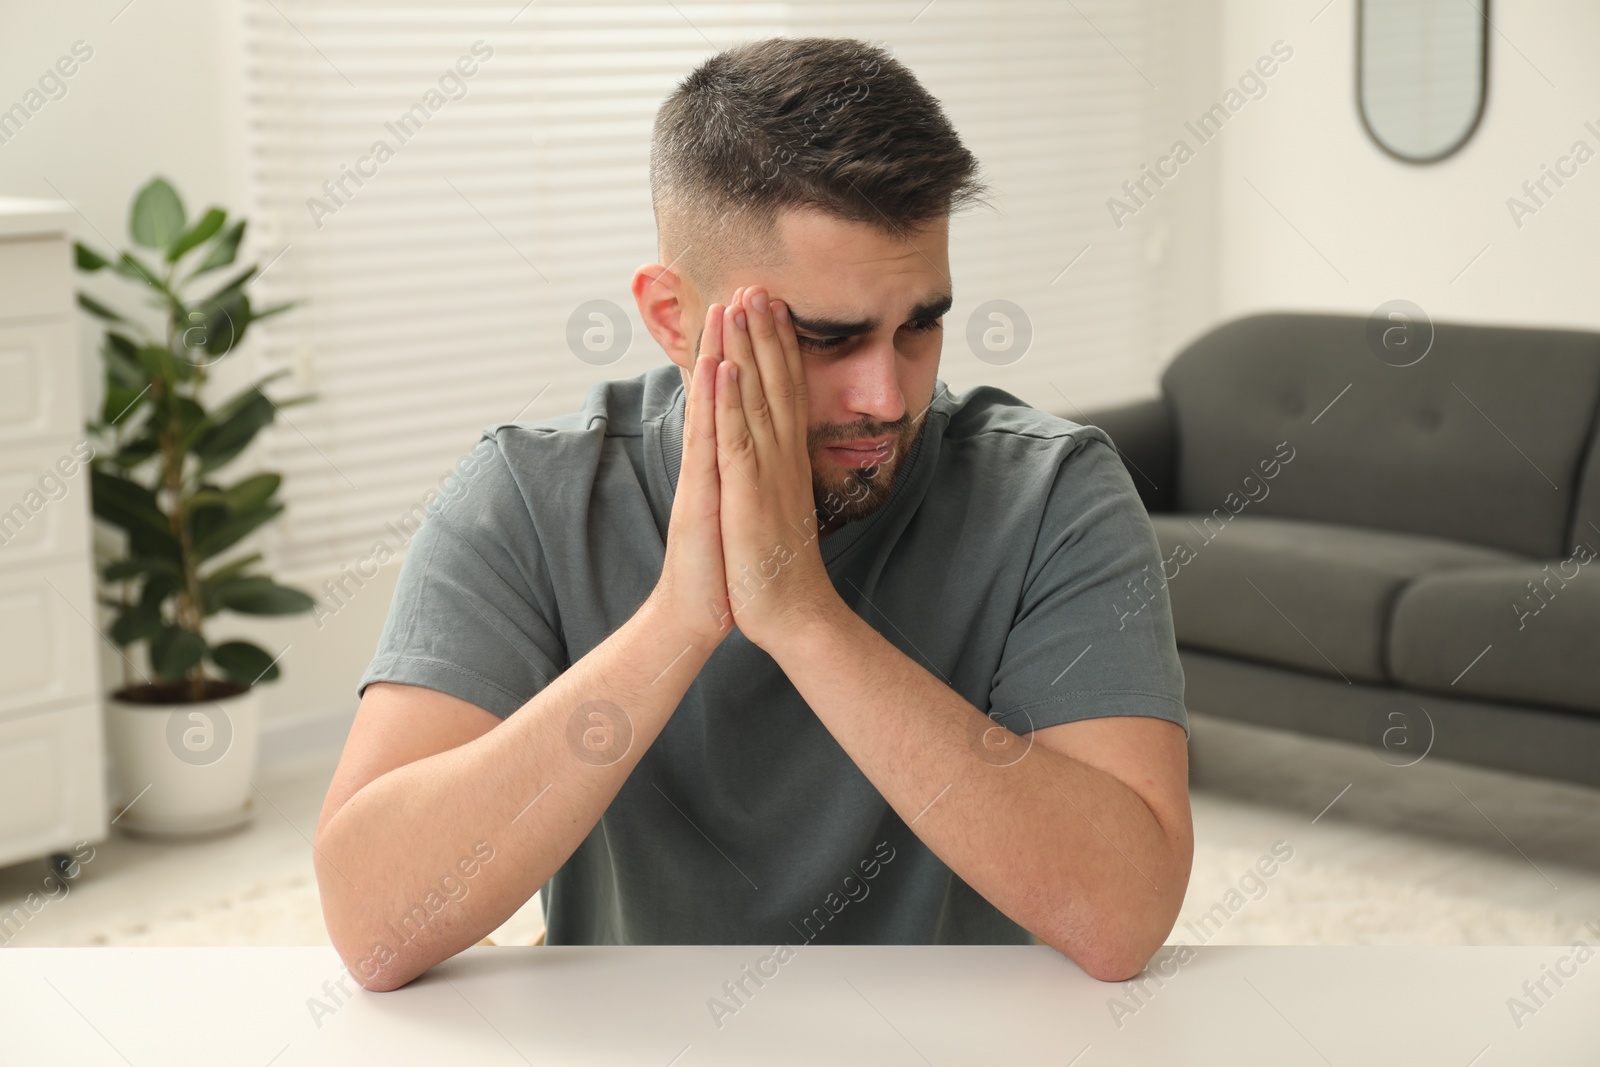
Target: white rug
x=1317 y=902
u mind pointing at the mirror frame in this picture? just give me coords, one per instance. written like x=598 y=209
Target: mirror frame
x=1483 y=91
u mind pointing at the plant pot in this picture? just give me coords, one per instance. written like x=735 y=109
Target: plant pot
x=182 y=769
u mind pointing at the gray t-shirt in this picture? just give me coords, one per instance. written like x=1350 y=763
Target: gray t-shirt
x=1013 y=560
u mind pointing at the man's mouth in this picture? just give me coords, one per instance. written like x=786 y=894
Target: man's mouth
x=867 y=452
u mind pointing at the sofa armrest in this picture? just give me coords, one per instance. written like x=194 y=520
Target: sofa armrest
x=1143 y=434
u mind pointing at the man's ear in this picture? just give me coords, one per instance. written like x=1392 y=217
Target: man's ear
x=663 y=297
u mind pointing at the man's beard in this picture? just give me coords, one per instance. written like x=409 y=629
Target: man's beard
x=856 y=492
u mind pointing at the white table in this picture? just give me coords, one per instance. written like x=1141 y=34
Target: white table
x=884 y=1006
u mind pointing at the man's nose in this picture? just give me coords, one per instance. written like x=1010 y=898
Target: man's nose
x=873 y=386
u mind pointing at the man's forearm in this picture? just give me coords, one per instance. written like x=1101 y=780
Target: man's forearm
x=1065 y=850
x=526 y=793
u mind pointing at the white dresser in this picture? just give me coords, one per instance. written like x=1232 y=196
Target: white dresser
x=52 y=754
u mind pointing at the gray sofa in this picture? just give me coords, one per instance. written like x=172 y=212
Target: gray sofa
x=1400 y=556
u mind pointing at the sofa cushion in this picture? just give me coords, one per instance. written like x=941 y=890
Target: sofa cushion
x=1586 y=515
x=1310 y=595
x=1527 y=633
x=1482 y=440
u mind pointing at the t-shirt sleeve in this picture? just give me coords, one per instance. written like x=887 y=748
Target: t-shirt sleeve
x=473 y=613
x=1093 y=632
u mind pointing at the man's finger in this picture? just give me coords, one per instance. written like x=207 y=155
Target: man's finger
x=736 y=348
x=776 y=387
x=734 y=445
x=699 y=421
x=784 y=326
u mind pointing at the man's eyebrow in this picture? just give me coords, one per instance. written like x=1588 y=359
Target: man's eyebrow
x=929 y=309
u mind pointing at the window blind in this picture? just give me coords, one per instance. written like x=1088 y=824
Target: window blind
x=438 y=275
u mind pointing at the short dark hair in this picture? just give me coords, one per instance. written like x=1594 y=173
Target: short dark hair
x=832 y=123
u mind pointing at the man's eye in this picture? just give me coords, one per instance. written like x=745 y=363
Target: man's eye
x=825 y=344
x=828 y=344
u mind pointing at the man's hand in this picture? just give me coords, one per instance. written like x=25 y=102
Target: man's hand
x=693 y=583
x=770 y=543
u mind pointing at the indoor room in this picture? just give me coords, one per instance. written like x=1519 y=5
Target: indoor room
x=517 y=521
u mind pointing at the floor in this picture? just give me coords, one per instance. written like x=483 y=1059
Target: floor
x=1436 y=853
x=1366 y=853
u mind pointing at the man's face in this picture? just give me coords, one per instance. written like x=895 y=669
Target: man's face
x=866 y=306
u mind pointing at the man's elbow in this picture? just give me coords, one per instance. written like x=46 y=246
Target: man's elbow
x=368 y=954
x=1117 y=942
x=1115 y=958
x=375 y=966
x=1121 y=962
x=368 y=957
x=1123 y=939
x=383 y=983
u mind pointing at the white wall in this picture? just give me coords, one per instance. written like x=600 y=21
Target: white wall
x=1182 y=235
x=160 y=95
x=1402 y=231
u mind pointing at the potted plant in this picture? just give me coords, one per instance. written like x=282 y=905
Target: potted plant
x=182 y=737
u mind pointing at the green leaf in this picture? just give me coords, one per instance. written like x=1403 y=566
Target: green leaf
x=137 y=566
x=225 y=322
x=159 y=362
x=189 y=419
x=156 y=544
x=236 y=283
x=87 y=258
x=120 y=402
x=226 y=315
x=157 y=217
x=233 y=431
x=207 y=496
x=125 y=503
x=260 y=595
x=198 y=234
x=122 y=361
x=275 y=309
x=94 y=307
x=252 y=492
x=230 y=570
x=157 y=588
x=234 y=530
x=241 y=586
x=260 y=382
x=223 y=249
x=137 y=450
x=131 y=266
x=137 y=622
x=244 y=663
x=174 y=650
x=207 y=511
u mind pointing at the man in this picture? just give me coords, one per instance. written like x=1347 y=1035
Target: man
x=780 y=643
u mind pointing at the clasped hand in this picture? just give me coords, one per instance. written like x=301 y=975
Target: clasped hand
x=744 y=538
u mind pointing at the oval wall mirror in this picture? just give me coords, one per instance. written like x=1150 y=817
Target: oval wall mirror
x=1422 y=73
